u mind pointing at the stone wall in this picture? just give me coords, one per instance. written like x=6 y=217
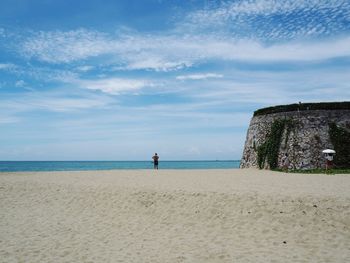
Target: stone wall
x=305 y=142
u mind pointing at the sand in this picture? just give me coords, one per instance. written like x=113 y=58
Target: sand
x=174 y=216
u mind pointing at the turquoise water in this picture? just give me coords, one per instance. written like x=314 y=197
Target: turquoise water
x=29 y=166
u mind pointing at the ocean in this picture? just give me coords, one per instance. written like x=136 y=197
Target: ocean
x=33 y=166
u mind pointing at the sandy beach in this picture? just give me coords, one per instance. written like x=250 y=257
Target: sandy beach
x=174 y=216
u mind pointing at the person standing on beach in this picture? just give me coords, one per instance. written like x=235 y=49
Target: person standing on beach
x=155 y=160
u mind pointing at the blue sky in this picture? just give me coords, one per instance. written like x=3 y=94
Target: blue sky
x=120 y=80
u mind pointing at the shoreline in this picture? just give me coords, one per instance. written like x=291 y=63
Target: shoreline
x=241 y=181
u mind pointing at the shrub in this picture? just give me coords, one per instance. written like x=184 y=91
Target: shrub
x=340 y=139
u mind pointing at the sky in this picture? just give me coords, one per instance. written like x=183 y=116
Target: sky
x=121 y=80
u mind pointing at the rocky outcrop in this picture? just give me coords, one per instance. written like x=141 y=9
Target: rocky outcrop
x=304 y=140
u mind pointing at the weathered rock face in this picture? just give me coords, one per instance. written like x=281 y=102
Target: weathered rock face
x=303 y=143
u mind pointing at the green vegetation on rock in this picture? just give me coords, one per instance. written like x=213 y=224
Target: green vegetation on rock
x=268 y=151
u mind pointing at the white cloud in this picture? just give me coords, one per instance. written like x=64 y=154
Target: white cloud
x=85 y=68
x=199 y=76
x=131 y=51
x=52 y=101
x=270 y=19
x=172 y=52
x=114 y=86
x=20 y=84
x=8 y=119
x=302 y=51
x=157 y=64
x=67 y=104
x=2 y=32
x=7 y=66
x=64 y=47
x=267 y=7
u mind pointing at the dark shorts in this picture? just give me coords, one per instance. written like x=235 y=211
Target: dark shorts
x=155 y=162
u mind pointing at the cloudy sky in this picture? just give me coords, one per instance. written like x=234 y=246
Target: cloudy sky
x=120 y=80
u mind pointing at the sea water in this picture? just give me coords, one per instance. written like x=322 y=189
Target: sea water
x=30 y=166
